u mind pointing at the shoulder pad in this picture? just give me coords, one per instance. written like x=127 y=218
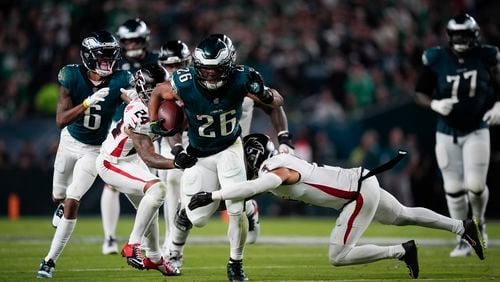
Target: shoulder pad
x=431 y=55
x=66 y=74
x=490 y=54
x=125 y=76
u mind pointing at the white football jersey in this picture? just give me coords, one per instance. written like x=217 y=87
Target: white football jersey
x=325 y=186
x=118 y=144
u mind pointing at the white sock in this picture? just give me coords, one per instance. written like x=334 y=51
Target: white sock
x=458 y=206
x=179 y=238
x=427 y=218
x=348 y=255
x=146 y=210
x=61 y=238
x=249 y=207
x=478 y=204
x=152 y=240
x=110 y=210
x=237 y=234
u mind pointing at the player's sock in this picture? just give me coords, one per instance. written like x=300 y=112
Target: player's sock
x=179 y=238
x=110 y=210
x=427 y=218
x=237 y=234
x=171 y=205
x=478 y=202
x=153 y=251
x=347 y=255
x=148 y=206
x=458 y=205
x=249 y=208
x=61 y=238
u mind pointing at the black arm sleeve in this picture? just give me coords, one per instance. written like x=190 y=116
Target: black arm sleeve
x=426 y=82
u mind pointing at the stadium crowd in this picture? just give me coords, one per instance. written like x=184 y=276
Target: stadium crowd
x=333 y=60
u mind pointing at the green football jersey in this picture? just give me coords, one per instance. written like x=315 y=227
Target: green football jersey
x=467 y=79
x=92 y=127
x=213 y=116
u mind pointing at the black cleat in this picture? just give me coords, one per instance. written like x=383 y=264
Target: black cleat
x=411 y=258
x=235 y=271
x=473 y=236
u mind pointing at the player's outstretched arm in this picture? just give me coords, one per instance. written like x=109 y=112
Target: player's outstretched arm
x=246 y=189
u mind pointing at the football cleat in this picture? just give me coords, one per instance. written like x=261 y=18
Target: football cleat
x=58 y=213
x=462 y=249
x=253 y=224
x=134 y=255
x=175 y=260
x=235 y=271
x=473 y=236
x=411 y=258
x=47 y=269
x=110 y=246
x=162 y=266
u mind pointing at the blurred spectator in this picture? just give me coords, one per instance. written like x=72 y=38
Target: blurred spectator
x=4 y=156
x=359 y=88
x=27 y=157
x=397 y=180
x=302 y=145
x=324 y=150
x=367 y=153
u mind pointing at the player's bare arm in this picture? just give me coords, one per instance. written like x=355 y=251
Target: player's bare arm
x=66 y=112
x=145 y=148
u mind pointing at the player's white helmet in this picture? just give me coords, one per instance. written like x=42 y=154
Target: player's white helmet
x=146 y=79
x=134 y=37
x=463 y=33
x=258 y=148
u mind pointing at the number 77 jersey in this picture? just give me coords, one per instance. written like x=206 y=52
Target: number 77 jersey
x=213 y=116
x=469 y=80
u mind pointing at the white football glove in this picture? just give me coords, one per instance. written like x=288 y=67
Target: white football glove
x=443 y=106
x=97 y=97
x=131 y=93
x=492 y=117
x=285 y=149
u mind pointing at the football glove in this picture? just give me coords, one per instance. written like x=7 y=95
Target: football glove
x=255 y=86
x=155 y=127
x=131 y=93
x=443 y=106
x=285 y=140
x=182 y=158
x=492 y=117
x=199 y=200
x=95 y=98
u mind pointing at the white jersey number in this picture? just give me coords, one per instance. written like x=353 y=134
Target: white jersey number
x=92 y=120
x=227 y=124
x=455 y=80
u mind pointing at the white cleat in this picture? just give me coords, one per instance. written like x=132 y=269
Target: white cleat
x=462 y=249
x=253 y=224
x=110 y=246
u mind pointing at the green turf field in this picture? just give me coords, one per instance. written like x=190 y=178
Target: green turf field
x=25 y=242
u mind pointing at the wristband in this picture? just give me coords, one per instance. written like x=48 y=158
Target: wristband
x=84 y=104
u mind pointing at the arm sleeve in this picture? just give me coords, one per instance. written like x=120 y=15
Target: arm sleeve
x=247 y=189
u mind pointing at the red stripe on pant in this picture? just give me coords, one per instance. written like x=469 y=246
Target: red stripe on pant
x=119 y=171
x=343 y=194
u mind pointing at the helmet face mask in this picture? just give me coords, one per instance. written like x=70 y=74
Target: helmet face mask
x=174 y=55
x=257 y=148
x=146 y=79
x=134 y=38
x=213 y=63
x=463 y=33
x=99 y=52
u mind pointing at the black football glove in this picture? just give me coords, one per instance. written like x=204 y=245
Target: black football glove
x=182 y=158
x=285 y=140
x=255 y=86
x=156 y=128
x=200 y=199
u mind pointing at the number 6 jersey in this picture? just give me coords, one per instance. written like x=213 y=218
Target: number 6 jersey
x=92 y=126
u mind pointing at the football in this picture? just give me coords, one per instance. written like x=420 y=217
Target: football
x=172 y=115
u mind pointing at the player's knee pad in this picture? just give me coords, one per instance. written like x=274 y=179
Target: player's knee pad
x=181 y=221
x=475 y=185
x=157 y=192
x=337 y=254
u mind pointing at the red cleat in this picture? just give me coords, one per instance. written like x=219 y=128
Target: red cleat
x=134 y=255
x=162 y=266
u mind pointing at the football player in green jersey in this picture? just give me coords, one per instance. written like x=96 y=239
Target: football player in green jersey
x=88 y=96
x=212 y=92
x=459 y=82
